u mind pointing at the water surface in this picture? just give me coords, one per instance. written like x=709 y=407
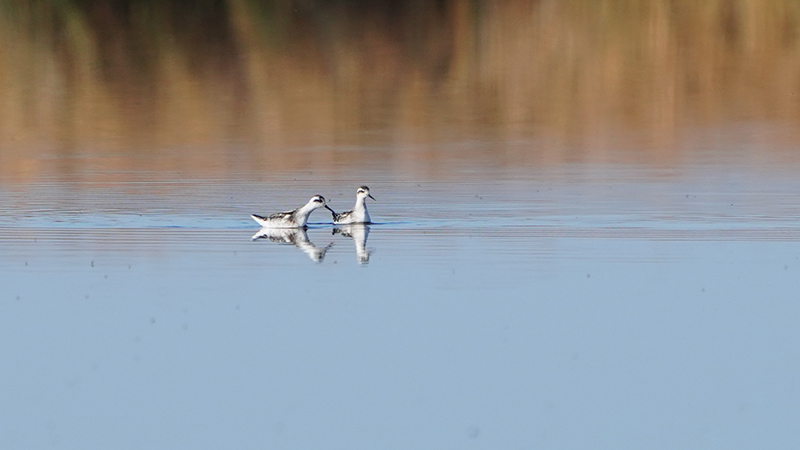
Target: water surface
x=619 y=305
x=586 y=225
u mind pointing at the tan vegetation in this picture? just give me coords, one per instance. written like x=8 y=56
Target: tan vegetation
x=241 y=85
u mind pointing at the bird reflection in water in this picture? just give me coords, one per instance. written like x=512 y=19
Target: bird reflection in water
x=359 y=233
x=294 y=236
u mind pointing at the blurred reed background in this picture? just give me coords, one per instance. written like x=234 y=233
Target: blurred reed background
x=246 y=85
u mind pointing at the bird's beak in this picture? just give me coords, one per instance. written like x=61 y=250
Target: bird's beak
x=370 y=196
x=329 y=209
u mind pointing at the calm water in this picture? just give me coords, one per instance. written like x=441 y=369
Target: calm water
x=587 y=225
x=614 y=306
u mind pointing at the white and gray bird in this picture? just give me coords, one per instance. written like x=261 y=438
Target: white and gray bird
x=359 y=213
x=292 y=219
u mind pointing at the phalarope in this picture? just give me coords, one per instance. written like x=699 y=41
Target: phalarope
x=292 y=219
x=359 y=213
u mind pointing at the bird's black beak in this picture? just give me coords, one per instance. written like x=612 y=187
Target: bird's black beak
x=329 y=209
x=370 y=196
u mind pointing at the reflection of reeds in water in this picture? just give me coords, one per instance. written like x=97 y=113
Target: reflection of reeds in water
x=239 y=81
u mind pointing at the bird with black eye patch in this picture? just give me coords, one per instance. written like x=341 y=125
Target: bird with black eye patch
x=296 y=218
x=359 y=213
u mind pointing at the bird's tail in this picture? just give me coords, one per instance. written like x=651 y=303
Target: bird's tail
x=261 y=220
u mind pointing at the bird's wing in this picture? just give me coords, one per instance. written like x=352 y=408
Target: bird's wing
x=288 y=215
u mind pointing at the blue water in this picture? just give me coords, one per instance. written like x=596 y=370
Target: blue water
x=601 y=307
